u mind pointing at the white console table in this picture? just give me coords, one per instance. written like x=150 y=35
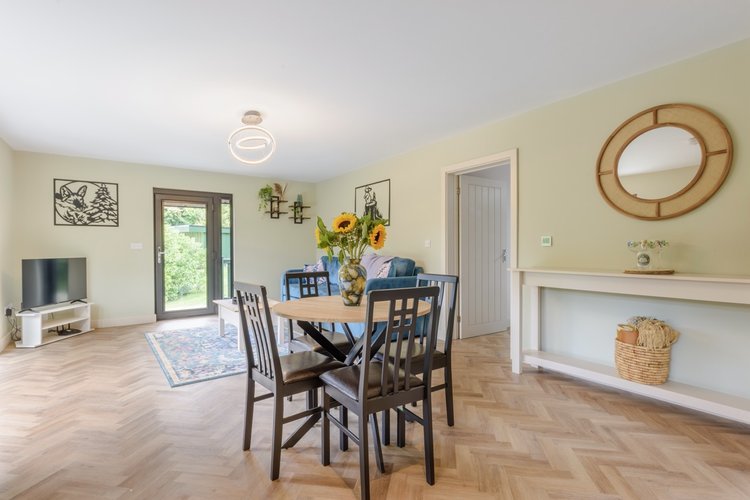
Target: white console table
x=722 y=289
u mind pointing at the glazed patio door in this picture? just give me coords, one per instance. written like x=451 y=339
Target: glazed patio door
x=192 y=252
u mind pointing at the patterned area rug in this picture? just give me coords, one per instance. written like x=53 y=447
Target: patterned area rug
x=197 y=354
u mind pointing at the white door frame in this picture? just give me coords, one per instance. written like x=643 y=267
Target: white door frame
x=450 y=224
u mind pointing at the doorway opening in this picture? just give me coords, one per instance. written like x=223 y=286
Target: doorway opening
x=193 y=236
x=480 y=227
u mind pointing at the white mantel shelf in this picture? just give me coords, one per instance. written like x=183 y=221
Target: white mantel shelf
x=700 y=287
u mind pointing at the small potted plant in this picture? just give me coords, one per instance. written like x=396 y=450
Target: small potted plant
x=264 y=197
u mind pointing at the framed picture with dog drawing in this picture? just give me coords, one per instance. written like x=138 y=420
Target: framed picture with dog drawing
x=374 y=199
x=86 y=203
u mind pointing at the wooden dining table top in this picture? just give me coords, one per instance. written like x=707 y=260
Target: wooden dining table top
x=331 y=309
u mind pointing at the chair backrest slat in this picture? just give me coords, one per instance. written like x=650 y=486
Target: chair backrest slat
x=257 y=330
x=448 y=285
x=400 y=336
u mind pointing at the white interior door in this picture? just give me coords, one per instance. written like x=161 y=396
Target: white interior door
x=483 y=255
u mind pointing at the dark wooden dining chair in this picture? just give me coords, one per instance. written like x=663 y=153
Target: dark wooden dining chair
x=448 y=285
x=310 y=285
x=373 y=386
x=281 y=375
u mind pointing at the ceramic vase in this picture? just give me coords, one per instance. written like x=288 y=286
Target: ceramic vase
x=352 y=278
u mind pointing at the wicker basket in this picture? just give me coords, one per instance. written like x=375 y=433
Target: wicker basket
x=641 y=364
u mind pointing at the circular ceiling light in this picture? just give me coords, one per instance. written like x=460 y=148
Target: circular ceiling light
x=251 y=144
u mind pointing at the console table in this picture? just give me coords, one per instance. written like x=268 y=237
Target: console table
x=720 y=289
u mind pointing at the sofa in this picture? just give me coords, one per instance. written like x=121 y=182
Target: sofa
x=401 y=273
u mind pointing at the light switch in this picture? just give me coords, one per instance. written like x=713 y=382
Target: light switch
x=427 y=243
x=546 y=241
x=136 y=246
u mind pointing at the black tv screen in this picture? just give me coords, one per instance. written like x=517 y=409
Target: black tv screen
x=52 y=281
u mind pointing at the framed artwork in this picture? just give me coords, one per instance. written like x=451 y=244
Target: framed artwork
x=374 y=199
x=86 y=203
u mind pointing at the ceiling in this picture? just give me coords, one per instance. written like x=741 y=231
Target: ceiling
x=341 y=84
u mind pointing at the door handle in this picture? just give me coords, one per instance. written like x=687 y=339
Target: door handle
x=159 y=254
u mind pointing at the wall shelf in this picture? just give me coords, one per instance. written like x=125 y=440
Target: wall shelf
x=298 y=212
x=708 y=288
x=275 y=207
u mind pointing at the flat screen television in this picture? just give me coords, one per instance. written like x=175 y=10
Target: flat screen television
x=52 y=281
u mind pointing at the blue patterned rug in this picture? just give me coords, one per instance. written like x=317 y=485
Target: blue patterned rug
x=197 y=354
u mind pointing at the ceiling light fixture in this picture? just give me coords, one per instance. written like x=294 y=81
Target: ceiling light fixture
x=252 y=144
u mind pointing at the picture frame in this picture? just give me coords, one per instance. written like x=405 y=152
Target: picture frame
x=85 y=203
x=374 y=198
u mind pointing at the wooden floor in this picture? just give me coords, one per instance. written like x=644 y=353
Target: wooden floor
x=94 y=417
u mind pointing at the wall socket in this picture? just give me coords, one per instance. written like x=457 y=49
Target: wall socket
x=546 y=241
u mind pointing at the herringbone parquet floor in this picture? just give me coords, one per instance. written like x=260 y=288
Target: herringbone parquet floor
x=93 y=417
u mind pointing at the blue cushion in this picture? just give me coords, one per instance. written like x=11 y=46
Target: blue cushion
x=401 y=267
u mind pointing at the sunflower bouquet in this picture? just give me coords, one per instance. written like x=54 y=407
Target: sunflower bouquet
x=351 y=235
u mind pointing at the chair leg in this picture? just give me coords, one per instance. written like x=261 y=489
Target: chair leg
x=429 y=455
x=400 y=429
x=278 y=416
x=449 y=393
x=364 y=464
x=249 y=406
x=386 y=415
x=376 y=442
x=325 y=431
x=311 y=398
x=344 y=419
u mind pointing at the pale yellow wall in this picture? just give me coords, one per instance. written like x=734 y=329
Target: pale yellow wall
x=6 y=249
x=558 y=147
x=121 y=280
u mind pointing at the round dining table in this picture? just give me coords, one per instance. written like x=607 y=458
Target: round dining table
x=331 y=309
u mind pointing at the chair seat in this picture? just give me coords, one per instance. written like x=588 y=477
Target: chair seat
x=346 y=380
x=305 y=365
x=307 y=343
x=439 y=358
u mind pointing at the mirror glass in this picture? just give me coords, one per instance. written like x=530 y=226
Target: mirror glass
x=659 y=163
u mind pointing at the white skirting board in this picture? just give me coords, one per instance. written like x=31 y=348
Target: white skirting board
x=132 y=320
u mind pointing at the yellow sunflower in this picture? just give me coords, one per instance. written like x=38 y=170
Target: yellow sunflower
x=377 y=237
x=344 y=223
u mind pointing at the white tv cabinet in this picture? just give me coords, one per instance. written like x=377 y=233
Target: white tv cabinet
x=36 y=323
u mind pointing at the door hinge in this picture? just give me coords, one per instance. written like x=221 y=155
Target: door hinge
x=459 y=318
x=458 y=190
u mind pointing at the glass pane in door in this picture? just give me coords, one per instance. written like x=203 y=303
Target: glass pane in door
x=226 y=249
x=185 y=255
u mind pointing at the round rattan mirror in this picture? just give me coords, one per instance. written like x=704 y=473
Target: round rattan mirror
x=683 y=143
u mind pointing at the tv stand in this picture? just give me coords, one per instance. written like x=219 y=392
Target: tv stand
x=36 y=324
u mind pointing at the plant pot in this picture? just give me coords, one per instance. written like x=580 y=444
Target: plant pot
x=352 y=278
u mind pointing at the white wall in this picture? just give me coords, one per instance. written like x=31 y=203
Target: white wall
x=7 y=262
x=121 y=280
x=558 y=146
